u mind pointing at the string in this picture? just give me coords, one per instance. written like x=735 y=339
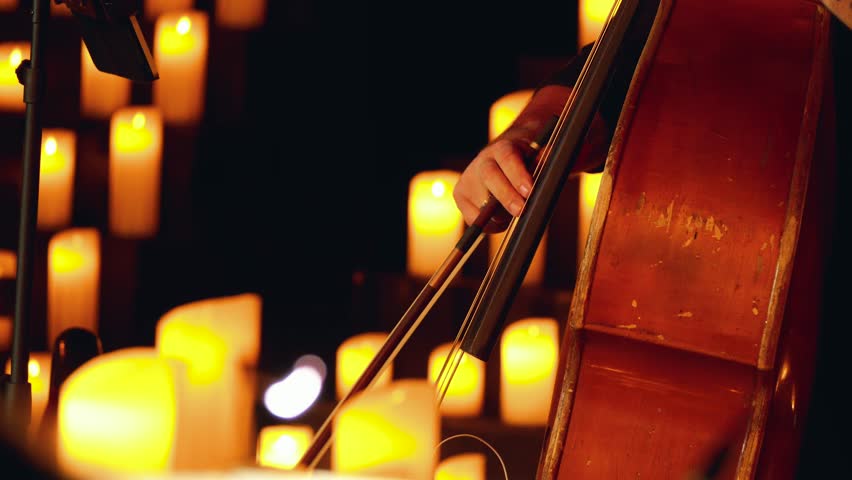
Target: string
x=496 y=454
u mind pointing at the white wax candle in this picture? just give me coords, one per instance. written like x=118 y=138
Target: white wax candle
x=353 y=356
x=466 y=391
x=73 y=281
x=282 y=446
x=11 y=91
x=505 y=110
x=592 y=15
x=589 y=185
x=242 y=15
x=56 y=178
x=528 y=357
x=155 y=8
x=180 y=51
x=435 y=224
x=101 y=93
x=135 y=164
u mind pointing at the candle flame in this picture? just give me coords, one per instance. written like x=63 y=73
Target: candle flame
x=50 y=145
x=138 y=121
x=33 y=369
x=439 y=188
x=15 y=57
x=183 y=25
x=66 y=259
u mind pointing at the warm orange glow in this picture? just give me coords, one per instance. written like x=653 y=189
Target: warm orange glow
x=8 y=263
x=56 y=178
x=592 y=15
x=242 y=15
x=465 y=466
x=180 y=50
x=589 y=185
x=8 y=5
x=391 y=430
x=132 y=136
x=73 y=282
x=155 y=8
x=505 y=110
x=5 y=333
x=354 y=355
x=101 y=93
x=117 y=413
x=282 y=446
x=466 y=392
x=434 y=222
x=11 y=91
x=38 y=374
x=528 y=356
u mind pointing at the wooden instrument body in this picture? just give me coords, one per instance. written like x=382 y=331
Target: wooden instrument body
x=694 y=319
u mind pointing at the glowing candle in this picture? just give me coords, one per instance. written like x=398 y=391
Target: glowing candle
x=8 y=5
x=589 y=185
x=593 y=14
x=8 y=263
x=8 y=269
x=118 y=413
x=155 y=8
x=465 y=466
x=353 y=356
x=434 y=222
x=11 y=91
x=391 y=430
x=180 y=50
x=282 y=446
x=219 y=340
x=56 y=178
x=73 y=281
x=528 y=356
x=38 y=373
x=101 y=93
x=135 y=163
x=59 y=10
x=242 y=15
x=466 y=391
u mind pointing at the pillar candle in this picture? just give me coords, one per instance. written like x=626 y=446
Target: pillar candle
x=180 y=50
x=155 y=8
x=435 y=224
x=56 y=178
x=59 y=10
x=101 y=93
x=73 y=281
x=464 y=466
x=389 y=431
x=528 y=358
x=242 y=15
x=466 y=391
x=119 y=413
x=592 y=15
x=135 y=164
x=8 y=269
x=38 y=373
x=8 y=263
x=353 y=356
x=588 y=193
x=282 y=446
x=11 y=91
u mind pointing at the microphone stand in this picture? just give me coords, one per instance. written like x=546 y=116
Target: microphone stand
x=16 y=389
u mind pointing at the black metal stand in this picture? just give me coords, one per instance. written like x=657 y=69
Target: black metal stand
x=17 y=392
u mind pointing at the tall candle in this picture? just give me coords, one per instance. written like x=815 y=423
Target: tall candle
x=528 y=356
x=464 y=466
x=38 y=373
x=11 y=91
x=434 y=222
x=466 y=391
x=56 y=178
x=282 y=446
x=73 y=281
x=180 y=50
x=242 y=15
x=388 y=431
x=135 y=164
x=155 y=8
x=101 y=93
x=592 y=15
x=353 y=356
x=8 y=269
x=589 y=185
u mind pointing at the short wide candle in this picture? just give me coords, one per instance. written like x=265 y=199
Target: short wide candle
x=353 y=356
x=464 y=466
x=11 y=90
x=73 y=281
x=435 y=223
x=466 y=391
x=529 y=350
x=56 y=178
x=135 y=165
x=180 y=51
x=282 y=446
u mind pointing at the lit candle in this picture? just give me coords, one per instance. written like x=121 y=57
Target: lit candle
x=434 y=222
x=73 y=281
x=38 y=373
x=119 y=413
x=8 y=269
x=589 y=185
x=101 y=93
x=219 y=340
x=11 y=91
x=464 y=466
x=593 y=14
x=466 y=391
x=135 y=163
x=528 y=356
x=353 y=356
x=59 y=10
x=155 y=8
x=242 y=15
x=388 y=431
x=8 y=263
x=180 y=50
x=56 y=178
x=282 y=446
